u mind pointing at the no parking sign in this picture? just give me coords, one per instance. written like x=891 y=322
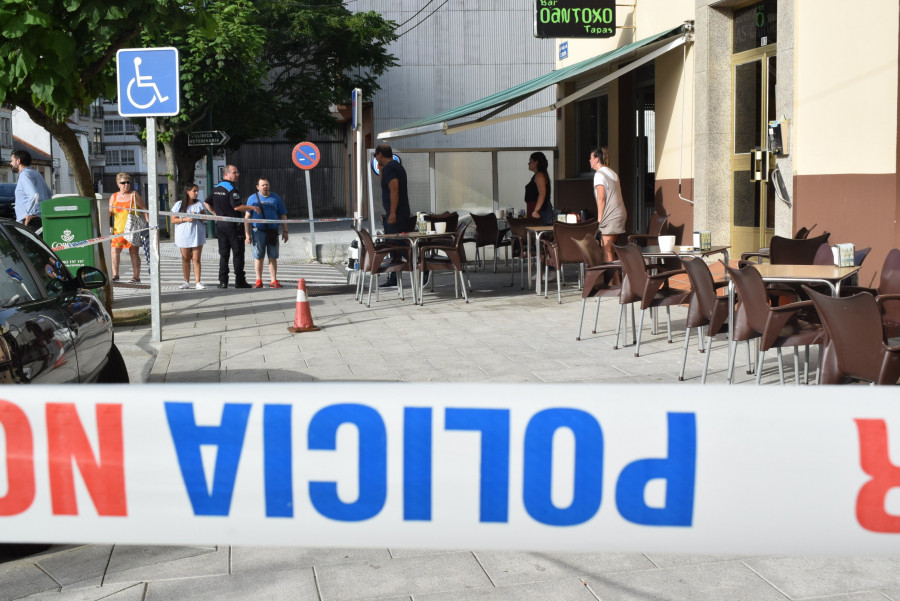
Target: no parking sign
x=305 y=155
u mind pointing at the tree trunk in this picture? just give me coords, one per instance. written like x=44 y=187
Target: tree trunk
x=68 y=141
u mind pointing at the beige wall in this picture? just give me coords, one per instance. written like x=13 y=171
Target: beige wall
x=846 y=88
x=649 y=18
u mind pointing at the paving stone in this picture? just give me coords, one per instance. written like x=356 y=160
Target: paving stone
x=404 y=576
x=293 y=585
x=23 y=577
x=83 y=565
x=118 y=592
x=508 y=568
x=252 y=559
x=804 y=577
x=131 y=563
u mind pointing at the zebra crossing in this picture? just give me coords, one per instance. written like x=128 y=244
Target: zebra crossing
x=291 y=267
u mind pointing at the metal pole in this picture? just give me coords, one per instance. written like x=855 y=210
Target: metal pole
x=360 y=164
x=153 y=206
x=371 y=201
x=312 y=225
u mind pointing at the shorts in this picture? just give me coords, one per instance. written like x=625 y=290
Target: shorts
x=260 y=248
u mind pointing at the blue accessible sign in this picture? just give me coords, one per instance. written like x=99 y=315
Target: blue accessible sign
x=148 y=82
x=305 y=155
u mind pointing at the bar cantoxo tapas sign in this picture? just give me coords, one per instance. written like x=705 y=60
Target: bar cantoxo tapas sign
x=574 y=18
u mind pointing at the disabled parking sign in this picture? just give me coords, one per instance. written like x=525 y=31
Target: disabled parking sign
x=148 y=82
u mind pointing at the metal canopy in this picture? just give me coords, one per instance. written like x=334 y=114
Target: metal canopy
x=501 y=101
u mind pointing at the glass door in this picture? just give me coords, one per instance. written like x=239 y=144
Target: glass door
x=753 y=202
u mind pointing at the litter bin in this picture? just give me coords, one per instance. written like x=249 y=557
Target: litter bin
x=68 y=219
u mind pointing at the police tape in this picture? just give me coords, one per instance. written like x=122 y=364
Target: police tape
x=58 y=246
x=560 y=467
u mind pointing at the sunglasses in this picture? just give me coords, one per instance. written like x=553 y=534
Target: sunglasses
x=124 y=183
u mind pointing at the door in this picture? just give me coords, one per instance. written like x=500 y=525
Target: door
x=753 y=202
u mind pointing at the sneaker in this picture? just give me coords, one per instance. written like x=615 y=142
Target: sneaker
x=244 y=285
x=275 y=284
x=390 y=282
x=200 y=286
x=258 y=284
x=185 y=286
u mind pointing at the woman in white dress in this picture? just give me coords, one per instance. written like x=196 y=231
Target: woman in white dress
x=190 y=234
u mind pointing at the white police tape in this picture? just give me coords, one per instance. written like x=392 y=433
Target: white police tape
x=555 y=467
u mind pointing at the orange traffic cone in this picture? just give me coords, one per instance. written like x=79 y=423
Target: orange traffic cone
x=303 y=321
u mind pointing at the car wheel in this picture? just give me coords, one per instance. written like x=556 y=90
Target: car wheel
x=115 y=371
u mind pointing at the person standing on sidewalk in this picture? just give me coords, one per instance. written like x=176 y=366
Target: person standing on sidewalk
x=225 y=201
x=394 y=197
x=264 y=236
x=190 y=235
x=31 y=189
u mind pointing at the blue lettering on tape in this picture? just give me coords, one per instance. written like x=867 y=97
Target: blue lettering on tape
x=372 y=461
x=278 y=462
x=494 y=427
x=417 y=463
x=679 y=472
x=228 y=437
x=538 y=475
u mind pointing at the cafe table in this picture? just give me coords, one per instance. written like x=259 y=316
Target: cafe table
x=829 y=275
x=536 y=231
x=414 y=238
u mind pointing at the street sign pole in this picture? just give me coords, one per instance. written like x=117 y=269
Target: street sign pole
x=309 y=206
x=153 y=205
x=360 y=154
x=306 y=156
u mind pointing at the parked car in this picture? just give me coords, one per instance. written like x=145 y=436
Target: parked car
x=53 y=330
x=7 y=201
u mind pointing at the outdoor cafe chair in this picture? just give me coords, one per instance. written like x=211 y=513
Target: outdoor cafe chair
x=561 y=249
x=775 y=326
x=444 y=256
x=599 y=280
x=763 y=253
x=488 y=233
x=888 y=284
x=856 y=347
x=658 y=226
x=706 y=309
x=651 y=290
x=373 y=263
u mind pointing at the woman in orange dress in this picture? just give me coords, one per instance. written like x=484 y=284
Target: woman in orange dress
x=119 y=205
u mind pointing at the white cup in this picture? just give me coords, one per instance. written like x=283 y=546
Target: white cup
x=440 y=227
x=666 y=244
x=500 y=214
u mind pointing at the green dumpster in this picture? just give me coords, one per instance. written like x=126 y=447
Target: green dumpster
x=69 y=219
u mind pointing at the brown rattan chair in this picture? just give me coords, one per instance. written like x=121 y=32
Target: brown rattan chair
x=658 y=226
x=451 y=218
x=488 y=233
x=562 y=250
x=776 y=327
x=706 y=309
x=452 y=257
x=856 y=346
x=375 y=263
x=651 y=290
x=598 y=277
x=763 y=253
x=518 y=237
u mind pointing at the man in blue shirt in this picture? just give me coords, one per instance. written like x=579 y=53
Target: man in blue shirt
x=31 y=189
x=394 y=197
x=264 y=236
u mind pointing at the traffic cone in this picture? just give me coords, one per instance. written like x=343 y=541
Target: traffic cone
x=303 y=321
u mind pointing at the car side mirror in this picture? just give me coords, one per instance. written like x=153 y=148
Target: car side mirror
x=90 y=277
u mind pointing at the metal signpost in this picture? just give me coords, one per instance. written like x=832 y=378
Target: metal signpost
x=360 y=161
x=148 y=86
x=306 y=156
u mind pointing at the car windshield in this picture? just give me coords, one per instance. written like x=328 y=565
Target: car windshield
x=51 y=271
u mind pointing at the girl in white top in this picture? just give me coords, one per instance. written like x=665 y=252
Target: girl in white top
x=608 y=194
x=190 y=234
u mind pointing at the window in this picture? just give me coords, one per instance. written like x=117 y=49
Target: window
x=5 y=132
x=592 y=130
x=113 y=127
x=50 y=270
x=16 y=284
x=112 y=157
x=130 y=127
x=127 y=157
x=755 y=26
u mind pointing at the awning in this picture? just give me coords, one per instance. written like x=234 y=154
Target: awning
x=501 y=101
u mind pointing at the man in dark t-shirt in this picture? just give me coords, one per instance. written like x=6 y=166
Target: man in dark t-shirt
x=225 y=201
x=394 y=196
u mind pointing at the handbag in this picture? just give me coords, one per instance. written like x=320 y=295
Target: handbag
x=271 y=237
x=135 y=226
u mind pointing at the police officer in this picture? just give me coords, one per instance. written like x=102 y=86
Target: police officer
x=225 y=201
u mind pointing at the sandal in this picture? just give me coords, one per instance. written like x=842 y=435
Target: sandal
x=133 y=281
x=115 y=278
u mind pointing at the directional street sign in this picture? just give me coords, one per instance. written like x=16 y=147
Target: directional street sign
x=305 y=155
x=147 y=82
x=208 y=138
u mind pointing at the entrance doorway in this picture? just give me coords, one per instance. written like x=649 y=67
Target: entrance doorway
x=753 y=202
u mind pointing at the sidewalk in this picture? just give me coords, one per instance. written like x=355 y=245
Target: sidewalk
x=503 y=335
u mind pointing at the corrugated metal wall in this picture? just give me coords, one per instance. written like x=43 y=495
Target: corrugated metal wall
x=272 y=160
x=458 y=53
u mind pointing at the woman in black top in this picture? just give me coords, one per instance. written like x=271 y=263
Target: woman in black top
x=537 y=192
